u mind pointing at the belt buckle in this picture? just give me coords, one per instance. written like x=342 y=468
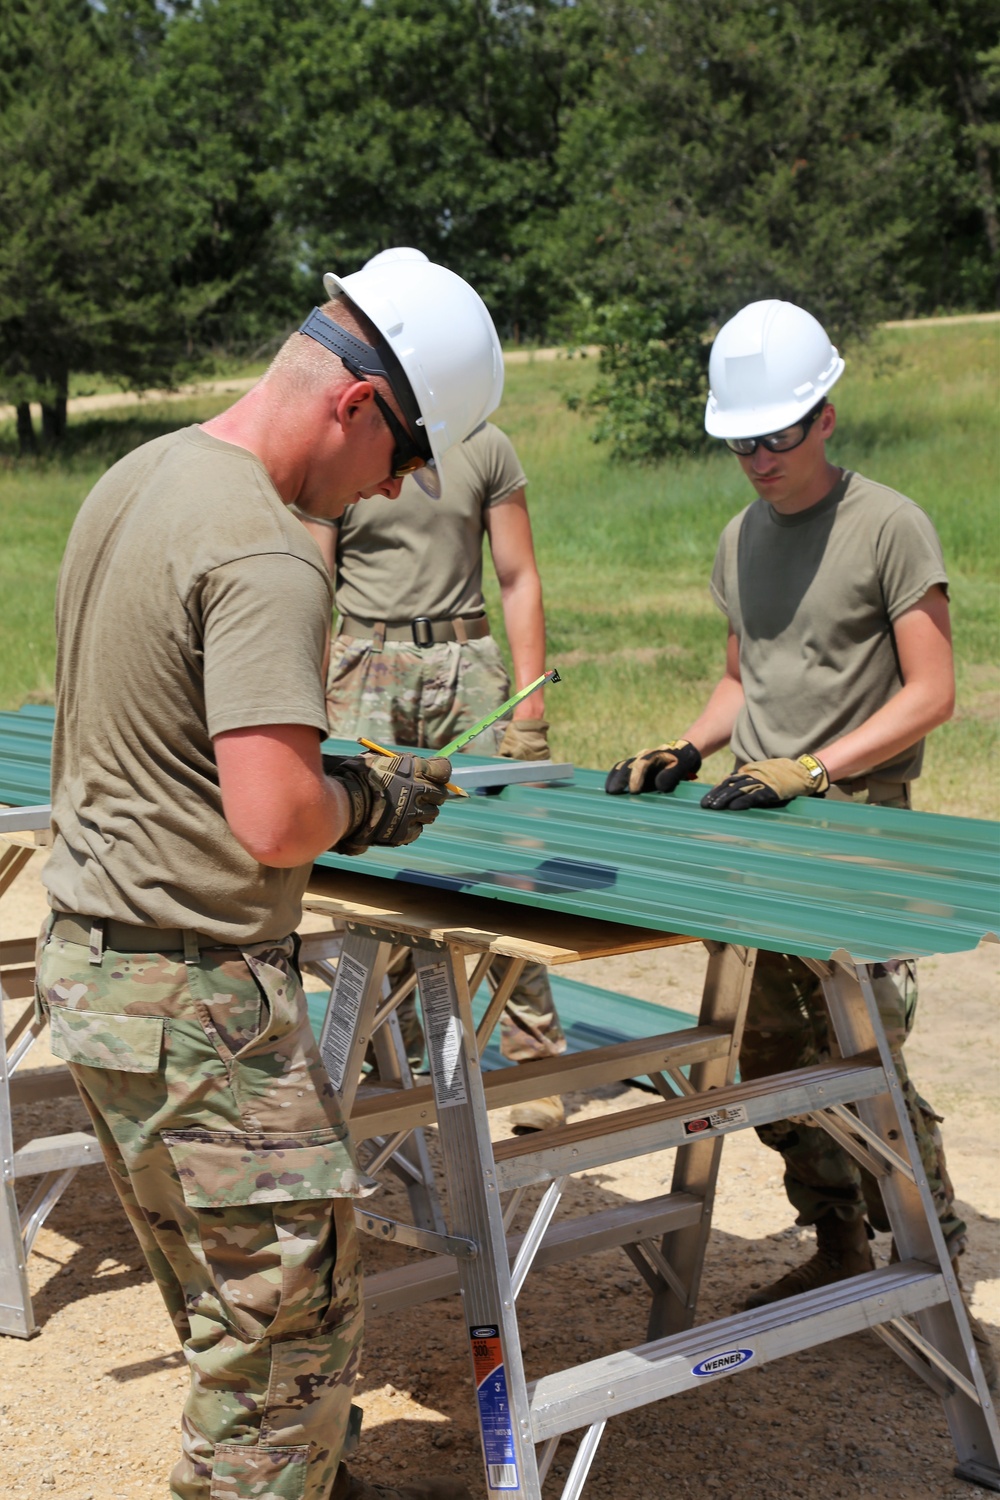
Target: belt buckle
x=422 y=631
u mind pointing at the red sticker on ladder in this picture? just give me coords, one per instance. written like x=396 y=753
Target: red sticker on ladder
x=716 y=1119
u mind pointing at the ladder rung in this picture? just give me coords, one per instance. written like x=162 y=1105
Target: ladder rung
x=406 y=1286
x=408 y=1109
x=607 y=1387
x=28 y=1085
x=54 y=1153
x=18 y=984
x=15 y=951
x=547 y=1154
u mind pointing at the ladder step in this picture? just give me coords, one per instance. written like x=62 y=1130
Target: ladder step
x=406 y=1286
x=607 y=1387
x=547 y=1154
x=407 y=1109
x=28 y=1085
x=54 y=1153
x=18 y=984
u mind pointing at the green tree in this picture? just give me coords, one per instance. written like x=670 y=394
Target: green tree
x=93 y=221
x=943 y=56
x=218 y=91
x=436 y=123
x=734 y=149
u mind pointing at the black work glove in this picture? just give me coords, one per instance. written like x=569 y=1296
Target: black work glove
x=769 y=783
x=392 y=796
x=659 y=770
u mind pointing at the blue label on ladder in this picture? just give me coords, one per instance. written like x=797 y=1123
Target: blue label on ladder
x=494 y=1408
x=721 y=1364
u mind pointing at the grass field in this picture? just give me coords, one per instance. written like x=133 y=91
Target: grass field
x=625 y=553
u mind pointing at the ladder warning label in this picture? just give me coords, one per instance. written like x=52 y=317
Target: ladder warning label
x=716 y=1119
x=342 y=1017
x=444 y=1035
x=494 y=1408
x=721 y=1364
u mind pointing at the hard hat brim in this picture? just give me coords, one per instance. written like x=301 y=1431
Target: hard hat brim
x=751 y=421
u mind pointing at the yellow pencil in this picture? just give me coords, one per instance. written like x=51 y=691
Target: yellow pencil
x=380 y=750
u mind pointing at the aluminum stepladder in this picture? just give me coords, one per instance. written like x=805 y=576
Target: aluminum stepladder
x=915 y=1304
x=54 y=1160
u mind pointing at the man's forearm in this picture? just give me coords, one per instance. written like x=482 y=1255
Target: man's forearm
x=904 y=720
x=309 y=828
x=713 y=728
x=275 y=798
x=524 y=622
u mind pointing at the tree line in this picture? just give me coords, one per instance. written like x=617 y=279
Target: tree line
x=175 y=177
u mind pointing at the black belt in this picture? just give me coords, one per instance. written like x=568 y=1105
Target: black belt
x=128 y=937
x=420 y=632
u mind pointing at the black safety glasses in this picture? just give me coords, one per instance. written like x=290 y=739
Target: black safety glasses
x=778 y=442
x=407 y=457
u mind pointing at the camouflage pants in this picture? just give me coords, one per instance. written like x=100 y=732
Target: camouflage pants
x=225 y=1142
x=424 y=697
x=788 y=1027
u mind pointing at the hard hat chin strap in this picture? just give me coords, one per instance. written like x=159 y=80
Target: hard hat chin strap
x=369 y=359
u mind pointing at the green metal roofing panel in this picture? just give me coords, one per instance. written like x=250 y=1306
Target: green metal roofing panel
x=813 y=878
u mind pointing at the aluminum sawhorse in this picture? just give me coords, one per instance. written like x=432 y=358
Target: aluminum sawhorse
x=915 y=1304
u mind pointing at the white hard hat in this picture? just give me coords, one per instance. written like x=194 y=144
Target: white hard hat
x=439 y=332
x=769 y=365
x=393 y=254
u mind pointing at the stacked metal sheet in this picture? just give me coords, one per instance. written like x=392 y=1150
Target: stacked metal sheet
x=813 y=878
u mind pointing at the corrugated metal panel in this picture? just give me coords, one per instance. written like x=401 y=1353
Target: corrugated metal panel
x=810 y=879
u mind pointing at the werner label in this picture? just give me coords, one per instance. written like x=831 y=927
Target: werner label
x=495 y=1418
x=721 y=1364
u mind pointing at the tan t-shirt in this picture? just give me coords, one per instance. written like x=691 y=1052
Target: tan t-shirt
x=811 y=598
x=398 y=560
x=190 y=601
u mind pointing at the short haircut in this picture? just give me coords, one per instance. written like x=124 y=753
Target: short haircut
x=302 y=365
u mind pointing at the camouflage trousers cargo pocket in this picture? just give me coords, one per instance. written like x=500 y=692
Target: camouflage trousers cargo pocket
x=229 y=1153
x=131 y=1044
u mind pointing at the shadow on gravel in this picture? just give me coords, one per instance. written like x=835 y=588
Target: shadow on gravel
x=845 y=1419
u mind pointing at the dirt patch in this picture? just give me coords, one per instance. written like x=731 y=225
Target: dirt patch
x=89 y=1409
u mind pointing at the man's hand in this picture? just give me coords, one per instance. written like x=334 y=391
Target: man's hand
x=526 y=739
x=659 y=770
x=392 y=796
x=769 y=783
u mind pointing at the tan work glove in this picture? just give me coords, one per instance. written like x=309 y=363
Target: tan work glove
x=769 y=783
x=392 y=796
x=526 y=739
x=659 y=770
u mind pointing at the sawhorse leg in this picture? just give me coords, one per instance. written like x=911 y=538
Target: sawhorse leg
x=944 y=1338
x=675 y=1274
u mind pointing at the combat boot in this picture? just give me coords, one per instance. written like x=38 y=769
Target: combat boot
x=348 y=1486
x=537 y=1114
x=841 y=1251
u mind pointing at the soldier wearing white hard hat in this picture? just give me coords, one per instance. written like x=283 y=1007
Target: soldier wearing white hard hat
x=838 y=664
x=189 y=801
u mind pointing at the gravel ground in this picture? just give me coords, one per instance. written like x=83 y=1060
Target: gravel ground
x=89 y=1408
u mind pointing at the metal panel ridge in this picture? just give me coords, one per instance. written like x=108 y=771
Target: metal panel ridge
x=816 y=878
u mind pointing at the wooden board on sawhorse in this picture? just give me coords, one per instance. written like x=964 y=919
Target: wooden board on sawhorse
x=914 y=1304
